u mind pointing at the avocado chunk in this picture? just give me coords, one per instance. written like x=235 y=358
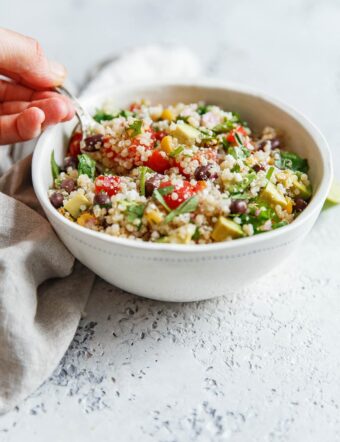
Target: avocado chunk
x=305 y=192
x=74 y=204
x=225 y=228
x=271 y=194
x=182 y=235
x=185 y=133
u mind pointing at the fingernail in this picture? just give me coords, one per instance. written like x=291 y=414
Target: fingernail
x=59 y=71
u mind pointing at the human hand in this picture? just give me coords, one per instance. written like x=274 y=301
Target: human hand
x=27 y=104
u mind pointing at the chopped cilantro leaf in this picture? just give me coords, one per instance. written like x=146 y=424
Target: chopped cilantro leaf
x=270 y=173
x=202 y=109
x=158 y=197
x=102 y=116
x=244 y=184
x=196 y=235
x=226 y=126
x=142 y=172
x=166 y=190
x=135 y=211
x=176 y=151
x=54 y=166
x=238 y=152
x=292 y=161
x=125 y=113
x=189 y=205
x=86 y=166
x=135 y=128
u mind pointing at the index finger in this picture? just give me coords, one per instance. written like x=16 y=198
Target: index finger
x=17 y=92
x=22 y=59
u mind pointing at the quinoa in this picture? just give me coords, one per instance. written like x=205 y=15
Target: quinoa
x=186 y=173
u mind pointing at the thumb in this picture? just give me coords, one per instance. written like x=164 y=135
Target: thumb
x=23 y=60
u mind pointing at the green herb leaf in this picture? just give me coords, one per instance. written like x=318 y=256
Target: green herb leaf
x=135 y=128
x=163 y=239
x=244 y=184
x=258 y=214
x=196 y=235
x=238 y=139
x=279 y=224
x=185 y=119
x=237 y=117
x=124 y=113
x=86 y=166
x=102 y=116
x=57 y=182
x=202 y=109
x=158 y=197
x=176 y=151
x=239 y=152
x=270 y=173
x=225 y=144
x=142 y=172
x=189 y=205
x=166 y=190
x=236 y=168
x=224 y=127
x=135 y=211
x=292 y=161
x=54 y=166
x=242 y=196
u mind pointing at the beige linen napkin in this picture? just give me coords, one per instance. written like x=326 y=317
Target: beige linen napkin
x=42 y=293
x=38 y=315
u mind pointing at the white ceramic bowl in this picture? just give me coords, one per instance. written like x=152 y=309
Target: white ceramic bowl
x=190 y=272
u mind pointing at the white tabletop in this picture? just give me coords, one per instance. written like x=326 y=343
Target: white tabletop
x=262 y=365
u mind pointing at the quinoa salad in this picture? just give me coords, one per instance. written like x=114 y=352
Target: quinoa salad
x=185 y=173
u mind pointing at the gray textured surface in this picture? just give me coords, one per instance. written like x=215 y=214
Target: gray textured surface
x=260 y=366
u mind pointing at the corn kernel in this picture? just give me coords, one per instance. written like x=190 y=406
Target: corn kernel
x=167 y=114
x=167 y=144
x=154 y=216
x=85 y=219
x=289 y=207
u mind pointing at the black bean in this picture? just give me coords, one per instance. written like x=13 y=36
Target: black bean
x=203 y=173
x=57 y=199
x=102 y=199
x=300 y=204
x=238 y=206
x=261 y=145
x=152 y=183
x=258 y=167
x=92 y=141
x=275 y=143
x=71 y=162
x=67 y=184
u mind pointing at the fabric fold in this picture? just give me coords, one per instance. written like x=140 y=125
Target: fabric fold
x=42 y=294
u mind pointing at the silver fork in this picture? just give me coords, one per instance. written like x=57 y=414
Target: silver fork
x=87 y=123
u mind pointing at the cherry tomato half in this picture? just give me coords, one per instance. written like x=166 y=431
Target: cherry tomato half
x=107 y=183
x=134 y=107
x=231 y=137
x=158 y=162
x=159 y=135
x=183 y=193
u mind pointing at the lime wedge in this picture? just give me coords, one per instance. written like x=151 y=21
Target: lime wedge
x=333 y=196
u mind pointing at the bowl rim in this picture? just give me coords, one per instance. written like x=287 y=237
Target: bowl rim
x=314 y=205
